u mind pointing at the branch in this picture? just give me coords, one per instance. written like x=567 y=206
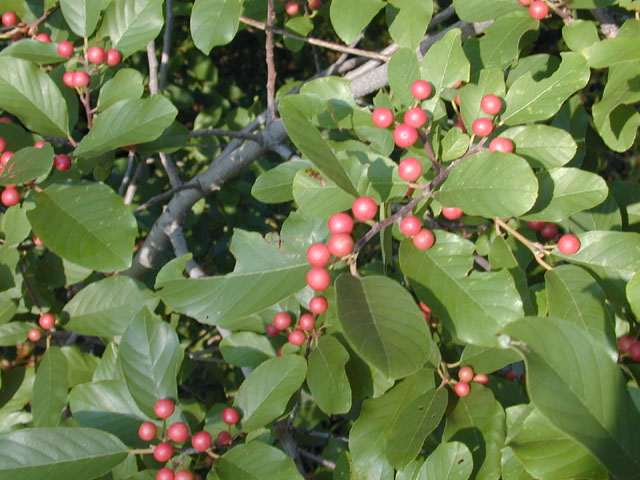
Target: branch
x=271 y=68
x=166 y=43
x=163 y=196
x=322 y=461
x=218 y=132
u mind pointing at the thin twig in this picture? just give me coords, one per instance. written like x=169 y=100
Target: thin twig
x=127 y=174
x=163 y=196
x=271 y=68
x=152 y=60
x=537 y=250
x=319 y=460
x=218 y=132
x=133 y=185
x=325 y=435
x=166 y=43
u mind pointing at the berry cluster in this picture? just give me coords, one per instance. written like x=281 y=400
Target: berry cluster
x=629 y=345
x=538 y=9
x=95 y=55
x=292 y=7
x=46 y=322
x=466 y=375
x=567 y=244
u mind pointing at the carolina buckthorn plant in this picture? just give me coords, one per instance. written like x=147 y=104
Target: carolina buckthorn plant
x=401 y=239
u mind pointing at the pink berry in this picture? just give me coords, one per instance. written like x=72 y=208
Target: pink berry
x=318 y=254
x=34 y=334
x=47 y=320
x=272 y=331
x=410 y=169
x=549 y=231
x=147 y=431
x=526 y=3
x=163 y=452
x=410 y=226
x=3 y=144
x=114 y=57
x=536 y=225
x=292 y=8
x=481 y=378
x=5 y=120
x=164 y=408
x=634 y=351
x=69 y=79
x=482 y=127
x=230 y=416
x=462 y=389
x=340 y=245
x=282 y=320
x=625 y=343
x=415 y=117
x=297 y=337
x=568 y=244
x=5 y=157
x=314 y=4
x=424 y=239
x=201 y=441
x=224 y=438
x=96 y=55
x=65 y=49
x=491 y=104
x=340 y=223
x=39 y=144
x=318 y=279
x=501 y=144
x=421 y=89
x=382 y=117
x=62 y=162
x=178 y=432
x=43 y=37
x=465 y=374
x=9 y=19
x=165 y=474
x=80 y=79
x=405 y=135
x=364 y=208
x=452 y=213
x=318 y=305
x=307 y=322
x=538 y=9
x=10 y=197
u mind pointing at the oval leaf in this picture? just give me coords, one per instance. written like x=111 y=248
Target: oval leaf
x=131 y=24
x=214 y=22
x=327 y=378
x=50 y=389
x=27 y=164
x=256 y=461
x=81 y=15
x=450 y=460
x=542 y=145
x=350 y=17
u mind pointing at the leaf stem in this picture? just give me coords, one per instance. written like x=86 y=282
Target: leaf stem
x=537 y=249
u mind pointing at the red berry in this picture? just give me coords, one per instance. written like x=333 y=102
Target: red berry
x=536 y=225
x=3 y=144
x=62 y=162
x=306 y=322
x=501 y=144
x=279 y=351
x=318 y=254
x=465 y=374
x=491 y=104
x=34 y=334
x=462 y=389
x=272 y=331
x=481 y=378
x=224 y=438
x=405 y=135
x=178 y=432
x=201 y=441
x=364 y=208
x=318 y=278
x=5 y=120
x=164 y=408
x=114 y=57
x=65 y=49
x=80 y=79
x=39 y=144
x=340 y=245
x=421 y=89
x=37 y=242
x=410 y=226
x=452 y=213
x=525 y=2
x=549 y=231
x=456 y=84
x=96 y=55
x=634 y=351
x=68 y=79
x=5 y=157
x=230 y=416
x=511 y=374
x=415 y=117
x=410 y=169
x=9 y=19
x=163 y=452
x=340 y=223
x=10 y=197
x=165 y=474
x=318 y=305
x=282 y=320
x=568 y=244
x=292 y=8
x=424 y=239
x=424 y=307
x=315 y=4
x=47 y=320
x=183 y=475
x=625 y=343
x=147 y=431
x=538 y=9
x=297 y=337
x=43 y=37
x=382 y=117
x=482 y=127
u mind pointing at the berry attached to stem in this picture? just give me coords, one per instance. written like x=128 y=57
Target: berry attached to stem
x=424 y=239
x=201 y=441
x=297 y=337
x=382 y=117
x=340 y=244
x=147 y=431
x=340 y=223
x=452 y=213
x=47 y=320
x=364 y=208
x=164 y=408
x=178 y=432
x=568 y=244
x=282 y=320
x=163 y=452
x=482 y=127
x=538 y=9
x=462 y=389
x=491 y=104
x=318 y=278
x=409 y=169
x=230 y=416
x=410 y=226
x=318 y=305
x=405 y=135
x=421 y=89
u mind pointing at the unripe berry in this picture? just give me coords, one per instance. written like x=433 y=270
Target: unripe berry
x=410 y=169
x=69 y=79
x=405 y=135
x=80 y=79
x=62 y=162
x=549 y=231
x=501 y=144
x=364 y=208
x=230 y=416
x=410 y=226
x=292 y=8
x=306 y=322
x=318 y=254
x=96 y=55
x=297 y=337
x=452 y=213
x=165 y=474
x=224 y=438
x=462 y=389
x=9 y=19
x=272 y=331
x=634 y=351
x=318 y=305
x=382 y=117
x=164 y=408
x=340 y=245
x=34 y=334
x=491 y=104
x=424 y=239
x=282 y=320
x=163 y=452
x=482 y=127
x=114 y=57
x=481 y=378
x=536 y=225
x=340 y=223
x=421 y=90
x=415 y=117
x=43 y=37
x=10 y=197
x=47 y=320
x=201 y=441
x=538 y=9
x=568 y=244
x=625 y=343
x=178 y=432
x=65 y=49
x=465 y=374
x=318 y=279
x=147 y=431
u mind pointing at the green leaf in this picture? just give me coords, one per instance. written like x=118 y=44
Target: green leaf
x=302 y=25
x=17 y=389
x=408 y=21
x=613 y=51
x=478 y=421
x=580 y=34
x=327 y=378
x=65 y=219
x=34 y=51
x=483 y=184
x=275 y=185
x=402 y=71
x=246 y=349
x=125 y=84
x=481 y=11
x=84 y=364
x=105 y=308
x=633 y=294
x=127 y=122
x=262 y=268
x=13 y=333
x=81 y=15
x=15 y=225
x=543 y=146
x=310 y=142
x=264 y=395
x=473 y=308
x=27 y=164
x=413 y=423
x=565 y=191
x=131 y=24
x=255 y=461
x=490 y=81
x=596 y=409
x=350 y=17
x=317 y=196
x=58 y=452
x=450 y=460
x=487 y=360
x=50 y=389
x=454 y=144
x=29 y=94
x=383 y=324
x=512 y=469
x=214 y=23
x=529 y=101
x=150 y=356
